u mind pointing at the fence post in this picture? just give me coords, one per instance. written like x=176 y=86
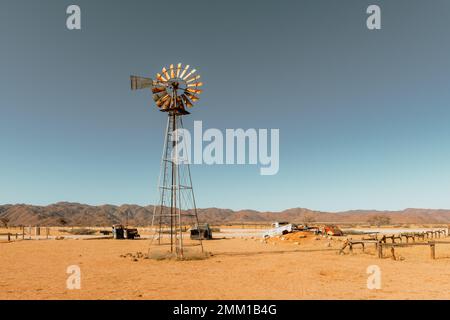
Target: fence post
x=433 y=251
x=380 y=250
x=393 y=253
x=9 y=237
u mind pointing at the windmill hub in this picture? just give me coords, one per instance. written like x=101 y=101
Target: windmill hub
x=176 y=87
x=175 y=84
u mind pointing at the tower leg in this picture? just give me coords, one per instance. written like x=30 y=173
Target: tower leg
x=176 y=209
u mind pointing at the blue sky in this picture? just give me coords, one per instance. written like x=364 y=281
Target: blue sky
x=363 y=115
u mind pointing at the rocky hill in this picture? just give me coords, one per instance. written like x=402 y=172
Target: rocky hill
x=75 y=214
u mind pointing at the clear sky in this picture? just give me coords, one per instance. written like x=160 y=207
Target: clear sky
x=364 y=116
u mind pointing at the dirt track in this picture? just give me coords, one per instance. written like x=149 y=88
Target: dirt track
x=239 y=269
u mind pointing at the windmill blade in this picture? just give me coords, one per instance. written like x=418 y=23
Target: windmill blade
x=157 y=98
x=193 y=79
x=140 y=82
x=159 y=95
x=165 y=73
x=165 y=98
x=160 y=77
x=167 y=103
x=172 y=72
x=161 y=99
x=184 y=71
x=189 y=74
x=194 y=90
x=192 y=97
x=178 y=70
x=197 y=84
x=158 y=89
x=180 y=103
x=186 y=101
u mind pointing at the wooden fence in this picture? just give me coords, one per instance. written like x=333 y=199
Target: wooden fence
x=27 y=233
x=381 y=242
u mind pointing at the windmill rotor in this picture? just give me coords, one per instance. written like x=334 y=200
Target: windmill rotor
x=174 y=89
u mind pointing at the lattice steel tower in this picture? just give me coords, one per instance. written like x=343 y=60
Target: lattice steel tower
x=174 y=90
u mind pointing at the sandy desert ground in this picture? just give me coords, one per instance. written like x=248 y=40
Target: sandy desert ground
x=241 y=268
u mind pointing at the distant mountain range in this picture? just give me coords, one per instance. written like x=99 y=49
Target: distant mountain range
x=75 y=214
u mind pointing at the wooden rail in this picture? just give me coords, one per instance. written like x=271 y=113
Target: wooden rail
x=350 y=243
x=392 y=246
x=37 y=233
x=10 y=235
x=381 y=242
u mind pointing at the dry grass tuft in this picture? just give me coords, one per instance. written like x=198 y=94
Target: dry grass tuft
x=187 y=256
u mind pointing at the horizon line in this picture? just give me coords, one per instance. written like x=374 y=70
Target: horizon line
x=235 y=210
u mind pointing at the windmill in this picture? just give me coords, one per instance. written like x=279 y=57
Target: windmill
x=175 y=90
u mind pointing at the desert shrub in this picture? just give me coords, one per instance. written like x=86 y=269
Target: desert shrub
x=379 y=220
x=188 y=256
x=4 y=221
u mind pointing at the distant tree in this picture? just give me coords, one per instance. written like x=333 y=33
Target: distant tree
x=5 y=221
x=379 y=220
x=62 y=221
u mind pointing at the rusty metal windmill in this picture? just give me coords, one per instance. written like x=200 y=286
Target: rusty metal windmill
x=174 y=90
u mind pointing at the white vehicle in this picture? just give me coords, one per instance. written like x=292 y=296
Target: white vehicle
x=279 y=228
x=279 y=224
